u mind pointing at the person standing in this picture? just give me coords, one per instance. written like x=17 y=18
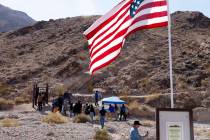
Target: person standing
x=87 y=109
x=71 y=109
x=79 y=107
x=111 y=110
x=123 y=112
x=116 y=112
x=134 y=133
x=60 y=103
x=92 y=112
x=40 y=100
x=102 y=117
x=96 y=98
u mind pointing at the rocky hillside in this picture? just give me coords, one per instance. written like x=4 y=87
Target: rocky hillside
x=56 y=51
x=12 y=19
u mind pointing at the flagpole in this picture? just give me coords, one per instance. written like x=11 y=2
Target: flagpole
x=170 y=56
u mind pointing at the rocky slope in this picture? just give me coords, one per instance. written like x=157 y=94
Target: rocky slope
x=56 y=51
x=12 y=19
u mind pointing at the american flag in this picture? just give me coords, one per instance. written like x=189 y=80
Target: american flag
x=107 y=35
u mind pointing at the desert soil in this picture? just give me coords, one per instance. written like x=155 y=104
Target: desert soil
x=32 y=128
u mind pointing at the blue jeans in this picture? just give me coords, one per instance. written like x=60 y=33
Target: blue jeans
x=102 y=120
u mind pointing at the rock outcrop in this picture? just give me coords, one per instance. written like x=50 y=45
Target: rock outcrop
x=13 y=20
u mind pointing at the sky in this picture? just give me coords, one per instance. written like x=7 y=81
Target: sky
x=54 y=9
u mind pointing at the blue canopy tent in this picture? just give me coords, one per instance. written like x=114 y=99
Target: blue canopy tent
x=113 y=100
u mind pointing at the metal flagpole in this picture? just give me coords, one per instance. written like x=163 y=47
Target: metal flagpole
x=170 y=56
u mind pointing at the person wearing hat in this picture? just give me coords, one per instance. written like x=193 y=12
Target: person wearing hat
x=134 y=133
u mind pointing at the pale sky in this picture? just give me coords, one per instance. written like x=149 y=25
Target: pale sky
x=54 y=9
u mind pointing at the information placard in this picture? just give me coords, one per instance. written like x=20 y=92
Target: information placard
x=174 y=124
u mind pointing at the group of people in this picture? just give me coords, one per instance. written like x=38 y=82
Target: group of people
x=64 y=104
x=119 y=112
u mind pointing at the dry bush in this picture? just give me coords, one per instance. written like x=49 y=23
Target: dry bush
x=55 y=118
x=5 y=90
x=143 y=111
x=81 y=118
x=59 y=90
x=6 y=104
x=102 y=135
x=208 y=134
x=7 y=122
x=21 y=100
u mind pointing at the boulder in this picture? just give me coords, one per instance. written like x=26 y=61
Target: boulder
x=206 y=103
x=201 y=114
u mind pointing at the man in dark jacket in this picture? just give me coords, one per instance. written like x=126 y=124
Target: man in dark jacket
x=102 y=117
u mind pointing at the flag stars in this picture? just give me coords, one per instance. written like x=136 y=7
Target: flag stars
x=134 y=6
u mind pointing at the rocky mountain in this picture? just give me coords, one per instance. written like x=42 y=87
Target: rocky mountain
x=12 y=19
x=56 y=51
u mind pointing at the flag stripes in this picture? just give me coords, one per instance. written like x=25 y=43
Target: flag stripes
x=107 y=35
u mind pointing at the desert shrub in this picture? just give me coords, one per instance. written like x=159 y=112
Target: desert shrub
x=82 y=118
x=5 y=90
x=208 y=135
x=102 y=135
x=55 y=118
x=21 y=100
x=157 y=100
x=59 y=90
x=143 y=111
x=7 y=122
x=6 y=104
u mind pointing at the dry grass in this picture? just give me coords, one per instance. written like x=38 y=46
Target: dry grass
x=152 y=98
x=6 y=104
x=82 y=118
x=148 y=123
x=157 y=100
x=102 y=135
x=21 y=100
x=208 y=134
x=143 y=111
x=7 y=122
x=127 y=99
x=55 y=118
x=5 y=90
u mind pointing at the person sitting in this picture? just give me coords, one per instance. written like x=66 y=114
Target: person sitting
x=134 y=133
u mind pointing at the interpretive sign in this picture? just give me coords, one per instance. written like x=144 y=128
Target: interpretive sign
x=174 y=124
